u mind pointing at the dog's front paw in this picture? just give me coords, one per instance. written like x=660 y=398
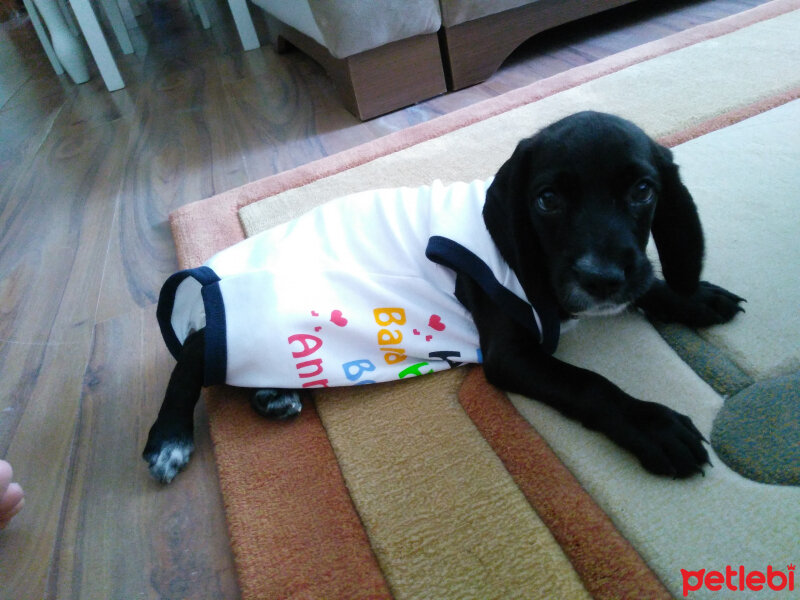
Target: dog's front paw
x=715 y=304
x=666 y=442
x=167 y=453
x=708 y=305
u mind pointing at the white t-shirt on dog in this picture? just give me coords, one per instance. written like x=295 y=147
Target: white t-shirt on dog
x=358 y=290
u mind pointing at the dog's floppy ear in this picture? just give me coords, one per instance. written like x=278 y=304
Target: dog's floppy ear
x=505 y=210
x=676 y=228
x=508 y=218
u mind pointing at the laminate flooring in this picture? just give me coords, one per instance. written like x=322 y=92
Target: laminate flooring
x=87 y=180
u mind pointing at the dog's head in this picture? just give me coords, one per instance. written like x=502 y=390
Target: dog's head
x=573 y=208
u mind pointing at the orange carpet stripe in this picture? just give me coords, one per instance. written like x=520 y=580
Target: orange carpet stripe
x=294 y=531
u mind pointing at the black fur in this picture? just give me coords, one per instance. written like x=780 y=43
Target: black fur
x=571 y=212
x=581 y=198
x=171 y=440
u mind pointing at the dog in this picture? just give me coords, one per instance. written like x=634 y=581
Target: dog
x=566 y=221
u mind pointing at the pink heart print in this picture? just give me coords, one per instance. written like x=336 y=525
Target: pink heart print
x=435 y=322
x=337 y=318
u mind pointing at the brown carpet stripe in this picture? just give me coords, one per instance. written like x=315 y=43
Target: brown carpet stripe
x=606 y=562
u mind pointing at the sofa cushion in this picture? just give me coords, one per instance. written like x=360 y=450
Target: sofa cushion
x=353 y=26
x=348 y=27
x=296 y=14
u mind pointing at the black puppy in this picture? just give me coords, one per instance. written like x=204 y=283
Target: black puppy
x=571 y=213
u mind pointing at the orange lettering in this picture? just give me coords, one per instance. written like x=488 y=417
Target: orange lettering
x=387 y=316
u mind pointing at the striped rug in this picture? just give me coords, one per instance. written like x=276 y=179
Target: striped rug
x=443 y=487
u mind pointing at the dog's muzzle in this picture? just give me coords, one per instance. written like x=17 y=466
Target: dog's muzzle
x=600 y=288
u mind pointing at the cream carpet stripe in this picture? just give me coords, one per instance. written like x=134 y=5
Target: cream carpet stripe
x=443 y=515
x=665 y=94
x=750 y=210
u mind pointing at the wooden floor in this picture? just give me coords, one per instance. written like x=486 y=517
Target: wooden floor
x=87 y=180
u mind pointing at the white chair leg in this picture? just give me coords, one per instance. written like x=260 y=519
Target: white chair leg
x=200 y=9
x=114 y=15
x=42 y=35
x=129 y=14
x=97 y=44
x=65 y=10
x=244 y=24
x=65 y=46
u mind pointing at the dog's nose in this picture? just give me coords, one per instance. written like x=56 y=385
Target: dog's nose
x=601 y=280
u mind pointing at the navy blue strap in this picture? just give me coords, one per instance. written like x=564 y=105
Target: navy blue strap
x=216 y=356
x=215 y=336
x=453 y=255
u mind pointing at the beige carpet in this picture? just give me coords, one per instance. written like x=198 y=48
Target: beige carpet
x=438 y=507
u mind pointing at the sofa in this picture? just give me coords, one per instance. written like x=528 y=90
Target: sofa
x=478 y=35
x=383 y=55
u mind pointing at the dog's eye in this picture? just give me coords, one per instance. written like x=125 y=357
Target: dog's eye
x=642 y=193
x=548 y=201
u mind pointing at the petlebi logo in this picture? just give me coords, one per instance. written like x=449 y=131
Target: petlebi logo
x=739 y=579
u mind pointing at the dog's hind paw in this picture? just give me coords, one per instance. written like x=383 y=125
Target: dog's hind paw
x=168 y=461
x=276 y=404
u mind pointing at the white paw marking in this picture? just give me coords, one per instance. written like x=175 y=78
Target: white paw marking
x=293 y=400
x=173 y=457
